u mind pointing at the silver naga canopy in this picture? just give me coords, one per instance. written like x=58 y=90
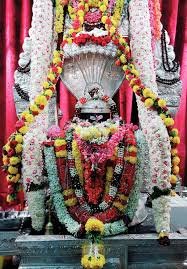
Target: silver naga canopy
x=91 y=67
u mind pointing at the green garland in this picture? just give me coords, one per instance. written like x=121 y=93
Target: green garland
x=58 y=200
x=135 y=193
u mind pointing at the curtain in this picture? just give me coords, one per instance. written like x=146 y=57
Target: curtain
x=15 y=20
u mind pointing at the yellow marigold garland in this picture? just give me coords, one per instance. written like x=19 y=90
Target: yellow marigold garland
x=12 y=151
x=109 y=177
x=60 y=148
x=151 y=101
x=59 y=16
x=94 y=225
x=77 y=156
x=94 y=262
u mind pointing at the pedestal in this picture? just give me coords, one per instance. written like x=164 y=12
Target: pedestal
x=7 y=243
x=122 y=252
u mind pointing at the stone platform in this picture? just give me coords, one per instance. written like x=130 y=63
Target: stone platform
x=7 y=243
x=122 y=252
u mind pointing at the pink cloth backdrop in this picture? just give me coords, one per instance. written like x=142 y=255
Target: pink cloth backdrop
x=15 y=20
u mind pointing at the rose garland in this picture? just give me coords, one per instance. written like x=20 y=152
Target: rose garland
x=12 y=151
x=82 y=39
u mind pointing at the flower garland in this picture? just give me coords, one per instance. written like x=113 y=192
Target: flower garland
x=59 y=19
x=41 y=34
x=151 y=101
x=139 y=175
x=78 y=13
x=157 y=17
x=148 y=97
x=36 y=207
x=94 y=258
x=77 y=156
x=82 y=212
x=12 y=151
x=32 y=157
x=82 y=39
x=64 y=217
x=62 y=212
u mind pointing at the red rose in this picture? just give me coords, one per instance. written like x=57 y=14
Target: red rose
x=10 y=189
x=118 y=62
x=19 y=124
x=60 y=148
x=108 y=39
x=105 y=98
x=48 y=143
x=120 y=47
x=54 y=69
x=128 y=55
x=139 y=92
x=103 y=43
x=108 y=21
x=127 y=72
x=83 y=100
x=41 y=107
x=81 y=7
x=143 y=99
x=132 y=154
x=108 y=198
x=52 y=88
x=11 y=153
x=13 y=143
x=35 y=113
x=76 y=24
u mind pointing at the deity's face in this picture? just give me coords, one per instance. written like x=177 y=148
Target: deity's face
x=95 y=117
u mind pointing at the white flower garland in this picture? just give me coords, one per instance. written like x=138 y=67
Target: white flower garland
x=42 y=38
x=32 y=159
x=154 y=130
x=140 y=41
x=41 y=35
x=36 y=206
x=161 y=212
x=159 y=147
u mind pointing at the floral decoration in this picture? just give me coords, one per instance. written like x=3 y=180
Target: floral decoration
x=59 y=19
x=14 y=146
x=151 y=101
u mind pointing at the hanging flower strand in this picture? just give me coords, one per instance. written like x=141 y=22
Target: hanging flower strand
x=12 y=151
x=150 y=100
x=59 y=19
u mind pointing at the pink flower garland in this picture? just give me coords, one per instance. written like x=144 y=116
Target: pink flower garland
x=104 y=151
x=155 y=16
